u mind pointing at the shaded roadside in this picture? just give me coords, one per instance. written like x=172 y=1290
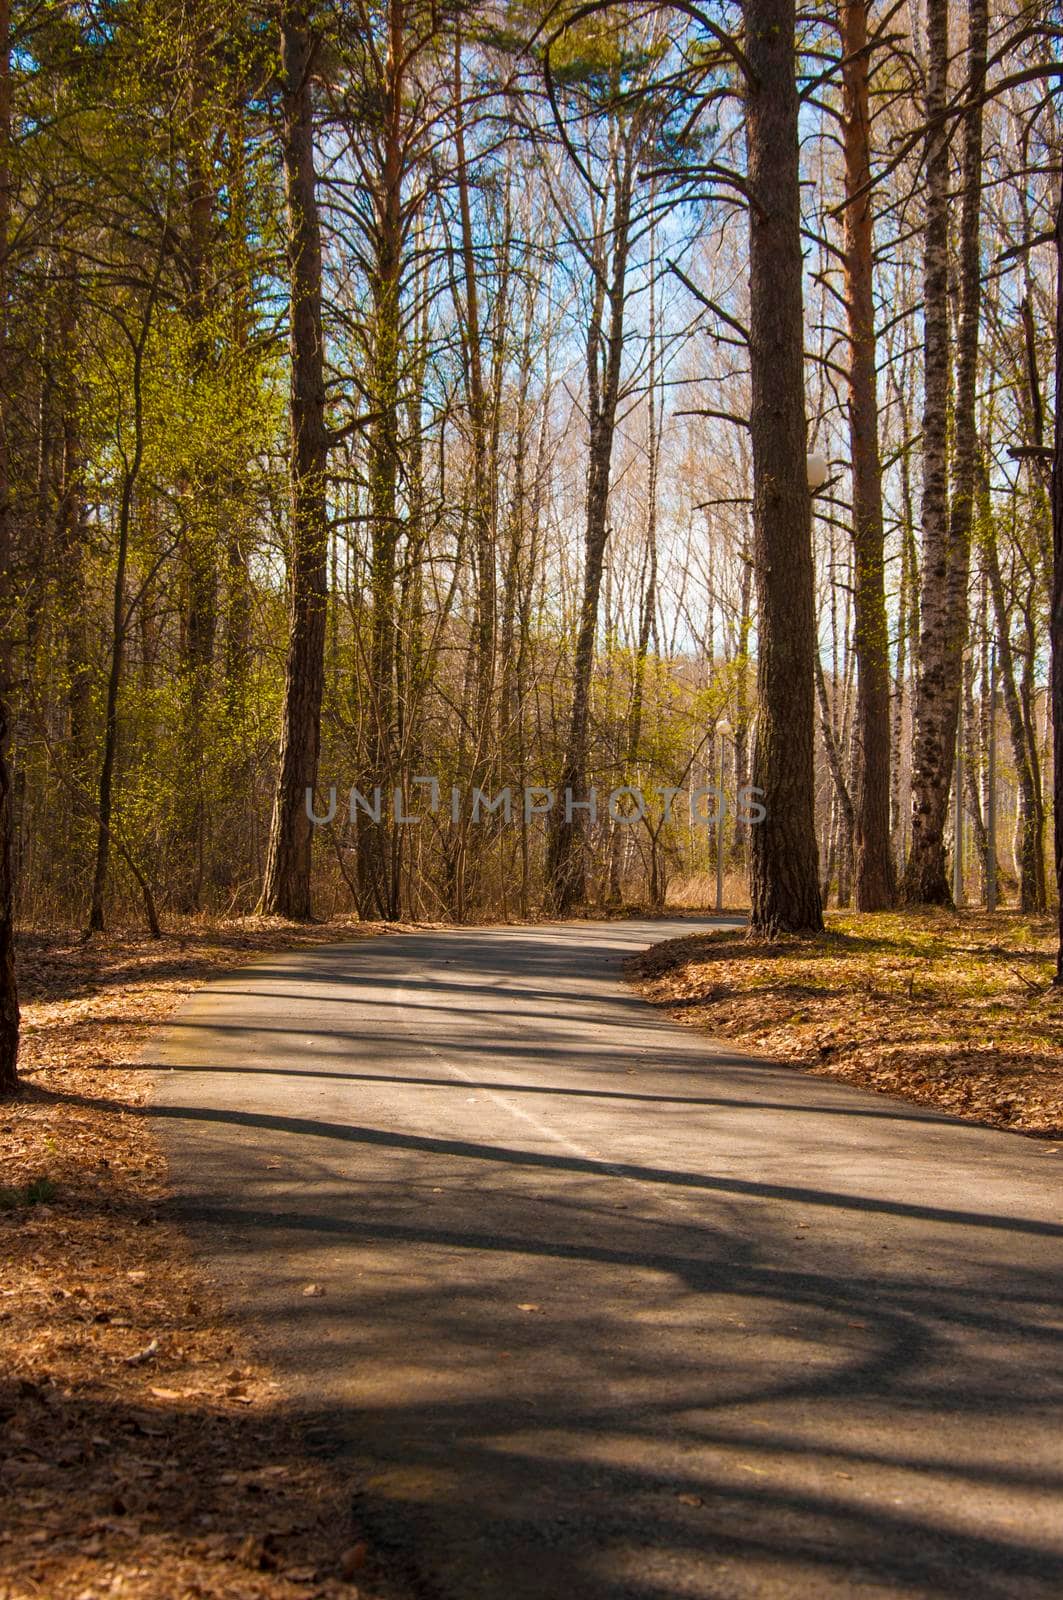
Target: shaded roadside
x=954 y=1010
x=144 y=1452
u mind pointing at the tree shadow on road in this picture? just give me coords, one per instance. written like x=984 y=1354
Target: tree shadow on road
x=538 y=1393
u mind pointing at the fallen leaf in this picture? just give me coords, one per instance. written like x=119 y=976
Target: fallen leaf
x=149 y=1352
x=353 y=1560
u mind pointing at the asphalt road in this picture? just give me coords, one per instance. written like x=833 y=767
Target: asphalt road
x=609 y=1311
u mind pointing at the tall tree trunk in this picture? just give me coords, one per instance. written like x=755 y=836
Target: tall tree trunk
x=377 y=889
x=973 y=768
x=483 y=495
x=965 y=424
x=200 y=555
x=120 y=616
x=844 y=811
x=237 y=642
x=649 y=597
x=946 y=563
x=1030 y=838
x=965 y=427
x=937 y=683
x=873 y=859
x=565 y=864
x=784 y=867
x=71 y=550
x=1056 y=622
x=899 y=695
x=482 y=398
x=1033 y=860
x=286 y=889
x=742 y=708
x=9 y=1016
x=908 y=613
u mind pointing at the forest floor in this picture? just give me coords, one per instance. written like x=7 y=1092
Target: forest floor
x=953 y=1010
x=142 y=1452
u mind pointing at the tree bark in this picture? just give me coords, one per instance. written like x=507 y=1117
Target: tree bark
x=784 y=866
x=1026 y=775
x=846 y=810
x=946 y=522
x=743 y=710
x=378 y=885
x=9 y=1013
x=1056 y=620
x=565 y=864
x=649 y=596
x=120 y=617
x=237 y=642
x=937 y=682
x=200 y=555
x=973 y=768
x=286 y=889
x=483 y=508
x=899 y=686
x=966 y=464
x=1032 y=860
x=875 y=883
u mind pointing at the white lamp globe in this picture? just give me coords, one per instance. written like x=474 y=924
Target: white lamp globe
x=817 y=470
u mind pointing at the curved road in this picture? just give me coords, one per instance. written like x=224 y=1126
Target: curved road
x=609 y=1311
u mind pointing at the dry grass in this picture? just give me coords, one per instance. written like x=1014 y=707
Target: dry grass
x=954 y=1010
x=696 y=891
x=144 y=1453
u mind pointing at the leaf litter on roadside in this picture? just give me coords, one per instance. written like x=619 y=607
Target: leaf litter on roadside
x=950 y=1009
x=148 y=1453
